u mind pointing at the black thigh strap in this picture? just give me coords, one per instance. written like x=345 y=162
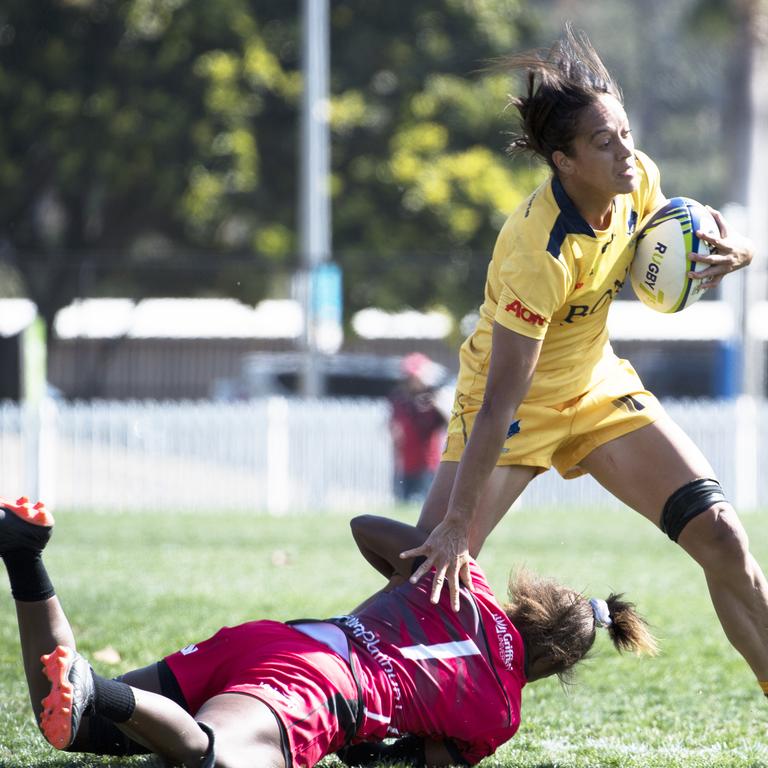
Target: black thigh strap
x=688 y=502
x=209 y=758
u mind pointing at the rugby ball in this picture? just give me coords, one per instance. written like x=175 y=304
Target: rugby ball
x=660 y=265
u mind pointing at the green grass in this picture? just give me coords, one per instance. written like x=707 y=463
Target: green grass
x=147 y=585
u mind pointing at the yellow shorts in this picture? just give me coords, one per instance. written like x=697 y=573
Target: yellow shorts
x=562 y=435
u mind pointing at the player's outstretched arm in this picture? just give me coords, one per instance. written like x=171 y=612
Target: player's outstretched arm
x=381 y=540
x=513 y=361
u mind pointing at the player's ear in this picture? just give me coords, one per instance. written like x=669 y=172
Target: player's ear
x=562 y=162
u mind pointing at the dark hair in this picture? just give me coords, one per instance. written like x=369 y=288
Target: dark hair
x=559 y=622
x=560 y=84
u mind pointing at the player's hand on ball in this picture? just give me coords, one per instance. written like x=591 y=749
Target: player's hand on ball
x=729 y=253
x=447 y=551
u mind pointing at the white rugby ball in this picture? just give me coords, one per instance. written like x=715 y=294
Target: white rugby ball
x=660 y=265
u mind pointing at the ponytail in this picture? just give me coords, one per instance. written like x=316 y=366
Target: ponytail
x=628 y=630
x=560 y=623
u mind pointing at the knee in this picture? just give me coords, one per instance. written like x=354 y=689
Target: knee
x=717 y=539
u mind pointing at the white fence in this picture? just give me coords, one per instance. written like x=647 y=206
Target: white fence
x=278 y=455
x=288 y=455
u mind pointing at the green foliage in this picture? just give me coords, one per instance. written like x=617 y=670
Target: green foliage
x=164 y=132
x=423 y=181
x=140 y=128
x=150 y=147
x=146 y=584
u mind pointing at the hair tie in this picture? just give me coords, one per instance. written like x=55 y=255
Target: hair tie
x=601 y=612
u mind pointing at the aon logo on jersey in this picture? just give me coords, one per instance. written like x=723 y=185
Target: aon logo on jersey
x=519 y=310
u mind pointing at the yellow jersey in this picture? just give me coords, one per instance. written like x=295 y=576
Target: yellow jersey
x=553 y=277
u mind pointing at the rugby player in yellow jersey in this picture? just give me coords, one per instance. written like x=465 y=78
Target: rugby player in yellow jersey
x=539 y=384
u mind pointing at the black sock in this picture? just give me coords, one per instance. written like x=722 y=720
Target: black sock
x=105 y=738
x=113 y=699
x=27 y=575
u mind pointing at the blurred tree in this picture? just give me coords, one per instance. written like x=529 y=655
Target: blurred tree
x=421 y=180
x=147 y=138
x=144 y=135
x=684 y=70
x=739 y=27
x=149 y=147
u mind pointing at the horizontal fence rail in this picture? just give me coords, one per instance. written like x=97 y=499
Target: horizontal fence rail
x=286 y=455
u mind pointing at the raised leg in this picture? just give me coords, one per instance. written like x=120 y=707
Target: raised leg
x=643 y=469
x=63 y=690
x=42 y=626
x=24 y=532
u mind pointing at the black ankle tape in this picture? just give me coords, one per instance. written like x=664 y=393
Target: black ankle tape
x=209 y=758
x=27 y=575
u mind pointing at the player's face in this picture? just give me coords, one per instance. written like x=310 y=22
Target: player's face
x=601 y=158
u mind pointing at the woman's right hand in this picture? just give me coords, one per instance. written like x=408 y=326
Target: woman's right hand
x=447 y=551
x=513 y=361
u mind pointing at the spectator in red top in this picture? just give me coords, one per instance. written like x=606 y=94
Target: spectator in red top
x=417 y=426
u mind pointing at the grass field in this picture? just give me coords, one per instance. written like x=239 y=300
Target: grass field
x=147 y=585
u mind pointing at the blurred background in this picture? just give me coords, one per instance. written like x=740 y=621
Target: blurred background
x=226 y=228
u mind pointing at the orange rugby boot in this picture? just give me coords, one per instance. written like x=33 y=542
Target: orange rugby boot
x=71 y=696
x=23 y=526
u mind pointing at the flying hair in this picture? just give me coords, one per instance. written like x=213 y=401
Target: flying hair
x=559 y=622
x=559 y=84
x=628 y=630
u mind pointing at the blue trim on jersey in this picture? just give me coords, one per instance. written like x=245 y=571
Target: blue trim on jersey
x=632 y=222
x=568 y=222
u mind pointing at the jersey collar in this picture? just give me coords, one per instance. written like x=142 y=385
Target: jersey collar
x=574 y=222
x=569 y=221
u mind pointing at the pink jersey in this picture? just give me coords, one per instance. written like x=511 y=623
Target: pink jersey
x=428 y=671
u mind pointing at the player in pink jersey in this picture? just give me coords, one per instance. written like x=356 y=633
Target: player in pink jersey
x=445 y=683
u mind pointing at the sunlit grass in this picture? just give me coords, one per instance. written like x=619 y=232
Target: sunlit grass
x=146 y=585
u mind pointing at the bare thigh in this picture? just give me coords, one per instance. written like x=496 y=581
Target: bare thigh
x=644 y=468
x=246 y=730
x=504 y=486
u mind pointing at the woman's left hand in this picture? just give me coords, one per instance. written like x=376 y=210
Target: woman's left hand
x=730 y=251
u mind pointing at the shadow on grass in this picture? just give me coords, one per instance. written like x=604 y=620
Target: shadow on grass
x=82 y=761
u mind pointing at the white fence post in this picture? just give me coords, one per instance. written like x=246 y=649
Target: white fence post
x=278 y=455
x=745 y=453
x=47 y=449
x=39 y=440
